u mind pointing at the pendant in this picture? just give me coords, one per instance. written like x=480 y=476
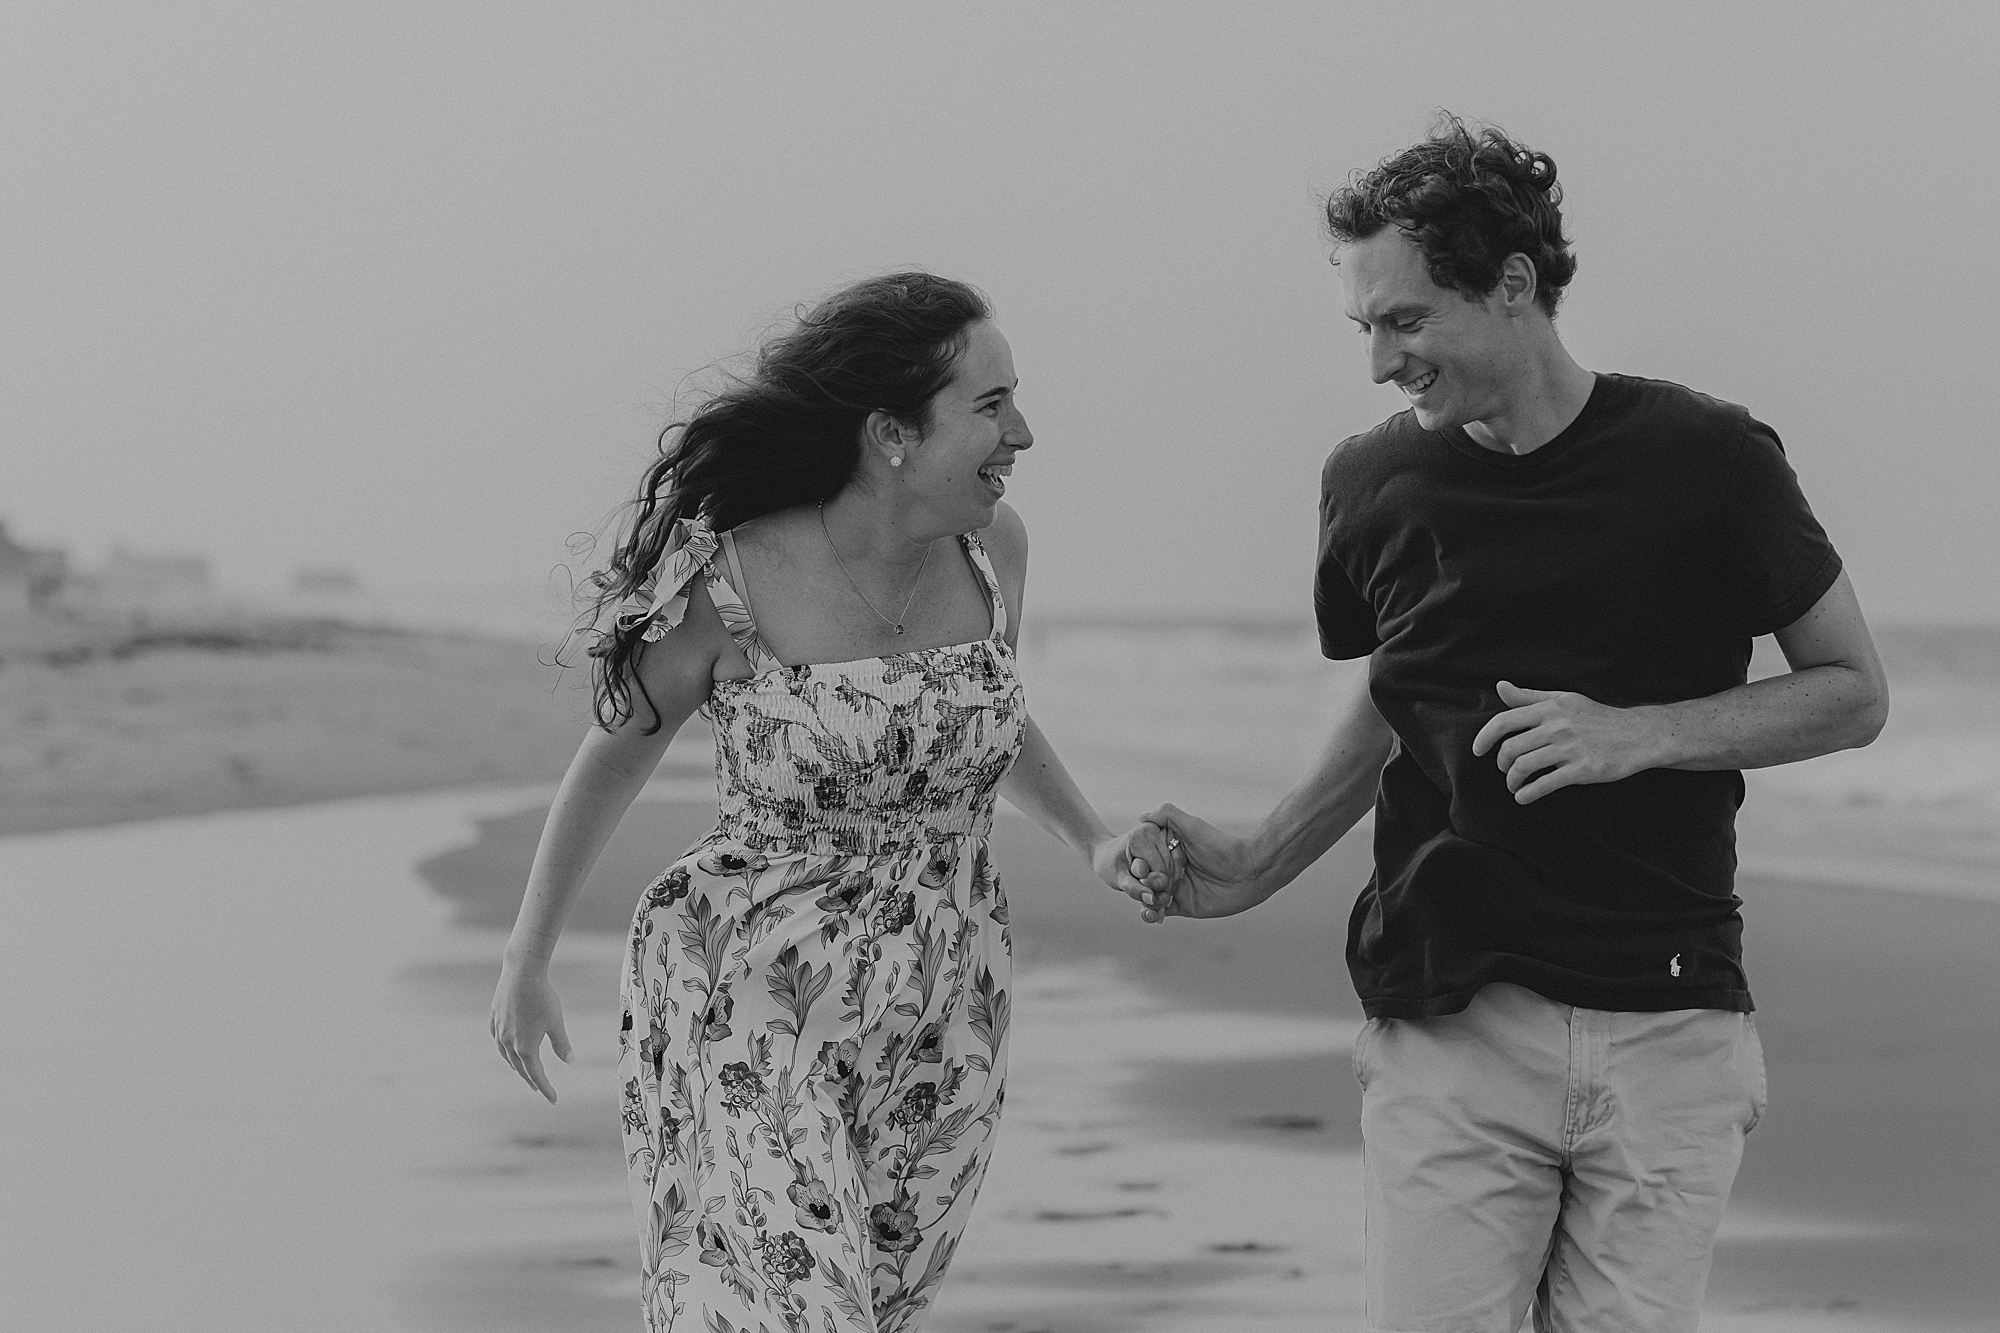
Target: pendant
x=899 y=629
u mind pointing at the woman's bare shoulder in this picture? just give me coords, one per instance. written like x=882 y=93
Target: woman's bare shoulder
x=1006 y=538
x=775 y=531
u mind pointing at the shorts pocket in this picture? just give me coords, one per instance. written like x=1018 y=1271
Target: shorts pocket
x=1361 y=1052
x=1753 y=1056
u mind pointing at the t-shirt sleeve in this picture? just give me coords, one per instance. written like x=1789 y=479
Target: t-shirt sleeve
x=1346 y=619
x=1779 y=561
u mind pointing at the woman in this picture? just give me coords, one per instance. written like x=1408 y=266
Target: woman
x=815 y=996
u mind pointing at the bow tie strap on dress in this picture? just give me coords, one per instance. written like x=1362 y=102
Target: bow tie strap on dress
x=661 y=604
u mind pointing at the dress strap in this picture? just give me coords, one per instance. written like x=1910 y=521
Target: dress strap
x=736 y=581
x=976 y=552
x=732 y=602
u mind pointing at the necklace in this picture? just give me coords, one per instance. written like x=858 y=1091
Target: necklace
x=897 y=623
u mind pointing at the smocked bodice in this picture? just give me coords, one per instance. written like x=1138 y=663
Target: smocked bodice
x=868 y=756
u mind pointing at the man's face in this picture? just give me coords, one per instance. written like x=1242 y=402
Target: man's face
x=1451 y=357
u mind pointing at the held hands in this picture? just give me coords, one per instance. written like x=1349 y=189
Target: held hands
x=1213 y=872
x=1548 y=739
x=525 y=1009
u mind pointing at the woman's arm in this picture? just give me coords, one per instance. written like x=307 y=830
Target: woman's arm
x=1042 y=789
x=675 y=674
x=1038 y=785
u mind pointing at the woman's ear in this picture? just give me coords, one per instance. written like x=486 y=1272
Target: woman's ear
x=887 y=437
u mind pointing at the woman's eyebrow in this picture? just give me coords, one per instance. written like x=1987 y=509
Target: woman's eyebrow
x=1002 y=391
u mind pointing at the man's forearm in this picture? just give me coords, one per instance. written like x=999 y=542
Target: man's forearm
x=1776 y=721
x=1835 y=697
x=1328 y=801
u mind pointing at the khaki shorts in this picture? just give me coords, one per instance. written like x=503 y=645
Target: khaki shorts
x=1527 y=1153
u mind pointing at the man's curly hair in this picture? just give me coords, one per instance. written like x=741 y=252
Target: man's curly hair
x=1468 y=197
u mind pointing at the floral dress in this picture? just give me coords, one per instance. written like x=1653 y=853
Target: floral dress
x=815 y=994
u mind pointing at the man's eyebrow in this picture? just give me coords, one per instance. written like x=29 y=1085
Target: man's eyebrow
x=1401 y=310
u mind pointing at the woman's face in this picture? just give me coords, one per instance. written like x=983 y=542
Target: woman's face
x=958 y=471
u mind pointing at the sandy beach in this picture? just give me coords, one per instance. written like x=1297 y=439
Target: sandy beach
x=256 y=1090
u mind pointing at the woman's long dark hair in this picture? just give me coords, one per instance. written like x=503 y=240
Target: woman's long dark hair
x=788 y=433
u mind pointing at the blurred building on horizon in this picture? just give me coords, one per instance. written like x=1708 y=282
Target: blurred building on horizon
x=30 y=577
x=333 y=581
x=133 y=584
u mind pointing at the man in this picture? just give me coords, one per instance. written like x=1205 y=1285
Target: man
x=1556 y=576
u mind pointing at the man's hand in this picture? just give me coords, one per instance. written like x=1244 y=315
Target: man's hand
x=1215 y=872
x=1549 y=739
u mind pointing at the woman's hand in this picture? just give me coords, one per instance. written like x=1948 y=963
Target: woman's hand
x=525 y=1009
x=1135 y=863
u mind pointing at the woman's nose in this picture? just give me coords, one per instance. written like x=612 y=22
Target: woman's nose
x=1017 y=434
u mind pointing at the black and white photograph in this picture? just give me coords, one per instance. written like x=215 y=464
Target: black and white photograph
x=1014 y=668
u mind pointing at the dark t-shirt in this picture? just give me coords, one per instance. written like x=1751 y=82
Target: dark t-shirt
x=1631 y=559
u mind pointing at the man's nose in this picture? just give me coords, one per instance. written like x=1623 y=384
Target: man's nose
x=1384 y=357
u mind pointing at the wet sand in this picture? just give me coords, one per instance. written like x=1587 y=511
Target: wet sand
x=1104 y=1210
x=1866 y=1196
x=261 y=1095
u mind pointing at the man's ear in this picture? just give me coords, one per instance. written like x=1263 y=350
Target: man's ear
x=1518 y=284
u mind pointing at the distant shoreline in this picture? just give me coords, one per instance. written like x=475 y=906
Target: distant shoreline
x=200 y=716
x=66 y=637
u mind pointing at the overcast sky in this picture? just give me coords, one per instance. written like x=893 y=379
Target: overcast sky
x=413 y=286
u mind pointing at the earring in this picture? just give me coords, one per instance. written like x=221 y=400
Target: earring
x=895 y=460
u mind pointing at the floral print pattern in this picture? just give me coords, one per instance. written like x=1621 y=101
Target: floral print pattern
x=816 y=994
